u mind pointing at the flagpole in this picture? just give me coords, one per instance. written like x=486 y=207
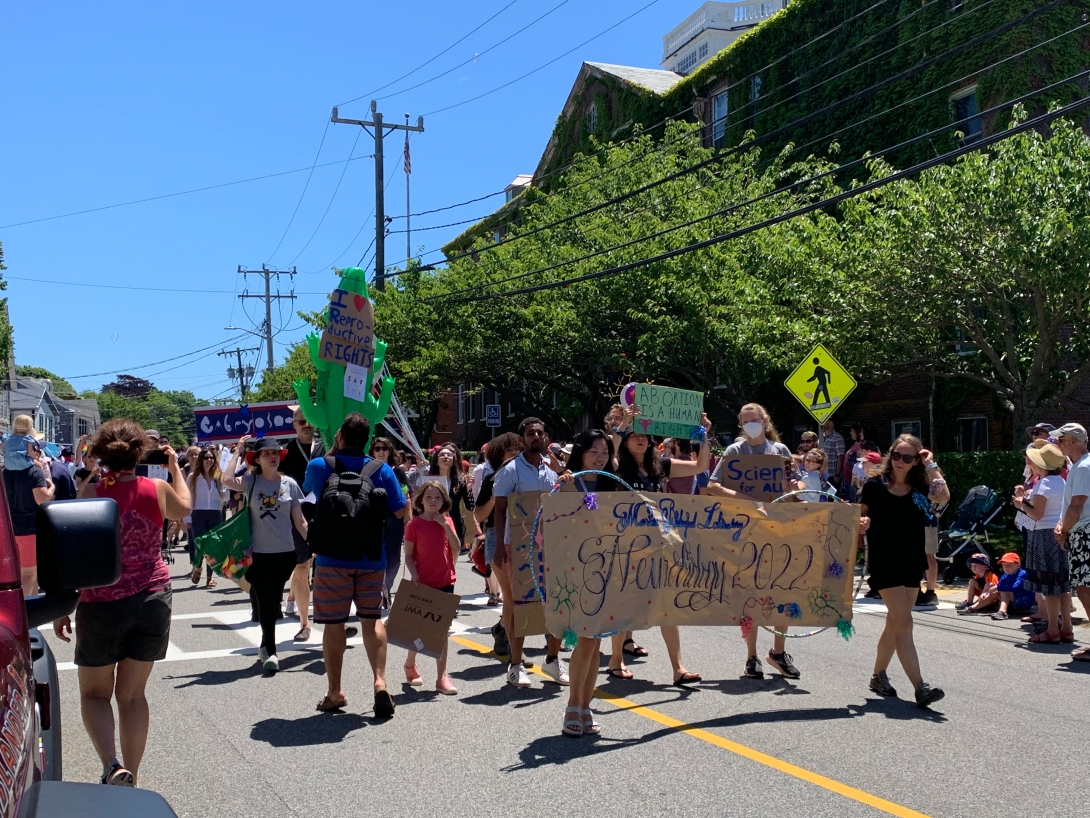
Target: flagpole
x=408 y=226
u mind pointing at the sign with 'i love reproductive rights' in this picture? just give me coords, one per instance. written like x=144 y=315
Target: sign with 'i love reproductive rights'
x=349 y=337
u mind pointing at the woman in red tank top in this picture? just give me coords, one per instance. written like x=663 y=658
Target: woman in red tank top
x=123 y=629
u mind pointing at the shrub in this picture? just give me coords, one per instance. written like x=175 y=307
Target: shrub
x=999 y=470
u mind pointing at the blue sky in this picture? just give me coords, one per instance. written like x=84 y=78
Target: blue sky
x=106 y=103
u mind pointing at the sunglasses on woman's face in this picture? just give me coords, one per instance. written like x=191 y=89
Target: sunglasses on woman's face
x=207 y=457
x=908 y=459
x=382 y=448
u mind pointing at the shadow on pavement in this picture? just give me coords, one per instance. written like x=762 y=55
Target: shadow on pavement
x=321 y=728
x=288 y=663
x=1074 y=667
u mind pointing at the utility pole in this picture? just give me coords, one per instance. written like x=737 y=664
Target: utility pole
x=380 y=205
x=243 y=373
x=268 y=298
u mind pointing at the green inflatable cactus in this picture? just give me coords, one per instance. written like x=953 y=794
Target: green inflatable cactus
x=332 y=407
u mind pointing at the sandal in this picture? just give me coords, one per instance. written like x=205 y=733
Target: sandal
x=592 y=726
x=1081 y=655
x=412 y=676
x=688 y=678
x=493 y=600
x=573 y=724
x=195 y=575
x=211 y=583
x=1033 y=619
x=327 y=705
x=635 y=650
x=117 y=775
x=1067 y=636
x=619 y=673
x=1000 y=615
x=1044 y=639
x=384 y=704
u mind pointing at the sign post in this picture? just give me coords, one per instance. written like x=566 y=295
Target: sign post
x=820 y=383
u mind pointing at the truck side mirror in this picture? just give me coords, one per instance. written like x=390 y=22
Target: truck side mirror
x=79 y=544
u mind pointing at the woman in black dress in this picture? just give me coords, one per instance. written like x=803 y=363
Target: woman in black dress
x=896 y=508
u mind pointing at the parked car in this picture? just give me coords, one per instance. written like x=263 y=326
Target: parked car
x=79 y=547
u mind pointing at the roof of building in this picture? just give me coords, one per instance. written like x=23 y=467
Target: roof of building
x=522 y=180
x=653 y=79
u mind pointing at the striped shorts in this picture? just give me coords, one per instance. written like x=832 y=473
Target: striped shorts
x=335 y=589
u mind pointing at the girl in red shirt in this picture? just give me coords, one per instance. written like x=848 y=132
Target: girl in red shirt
x=431 y=548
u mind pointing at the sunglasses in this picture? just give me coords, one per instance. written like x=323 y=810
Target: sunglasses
x=811 y=460
x=381 y=448
x=908 y=459
x=207 y=457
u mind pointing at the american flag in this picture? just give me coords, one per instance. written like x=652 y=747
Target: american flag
x=408 y=164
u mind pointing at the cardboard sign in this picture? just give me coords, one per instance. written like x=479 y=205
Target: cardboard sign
x=220 y=423
x=525 y=559
x=349 y=337
x=664 y=410
x=820 y=383
x=636 y=561
x=760 y=477
x=420 y=618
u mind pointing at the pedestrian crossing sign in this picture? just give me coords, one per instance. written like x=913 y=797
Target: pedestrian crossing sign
x=820 y=383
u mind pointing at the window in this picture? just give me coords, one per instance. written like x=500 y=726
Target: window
x=703 y=50
x=84 y=426
x=686 y=63
x=966 y=119
x=461 y=403
x=472 y=416
x=972 y=434
x=756 y=87
x=719 y=118
x=592 y=117
x=907 y=427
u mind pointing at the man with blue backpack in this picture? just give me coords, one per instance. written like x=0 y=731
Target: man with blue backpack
x=353 y=494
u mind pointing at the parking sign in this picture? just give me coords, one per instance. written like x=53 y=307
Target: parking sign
x=492 y=415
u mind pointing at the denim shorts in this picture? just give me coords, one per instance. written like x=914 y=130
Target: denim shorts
x=489 y=544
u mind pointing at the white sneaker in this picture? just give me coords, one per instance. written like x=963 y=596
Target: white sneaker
x=262 y=656
x=557 y=670
x=289 y=609
x=272 y=664
x=516 y=676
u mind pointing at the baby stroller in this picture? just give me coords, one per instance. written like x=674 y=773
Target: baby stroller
x=969 y=532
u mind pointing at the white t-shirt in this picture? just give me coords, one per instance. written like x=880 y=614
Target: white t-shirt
x=1052 y=489
x=1078 y=485
x=480 y=472
x=517 y=475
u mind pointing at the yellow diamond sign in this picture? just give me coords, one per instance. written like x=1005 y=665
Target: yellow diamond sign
x=820 y=383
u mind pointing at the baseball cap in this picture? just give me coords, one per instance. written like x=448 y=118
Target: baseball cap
x=1044 y=427
x=979 y=559
x=1010 y=556
x=152 y=433
x=872 y=457
x=1072 y=430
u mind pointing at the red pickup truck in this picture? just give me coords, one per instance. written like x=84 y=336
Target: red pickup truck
x=78 y=547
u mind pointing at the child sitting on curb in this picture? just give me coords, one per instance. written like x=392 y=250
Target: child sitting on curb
x=1014 y=597
x=983 y=587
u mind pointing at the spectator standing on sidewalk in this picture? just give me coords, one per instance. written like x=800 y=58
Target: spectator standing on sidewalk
x=832 y=443
x=26 y=488
x=1073 y=530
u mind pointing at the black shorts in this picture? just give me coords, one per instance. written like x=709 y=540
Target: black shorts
x=302 y=547
x=133 y=627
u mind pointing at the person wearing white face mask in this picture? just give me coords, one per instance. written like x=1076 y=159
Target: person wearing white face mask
x=761 y=437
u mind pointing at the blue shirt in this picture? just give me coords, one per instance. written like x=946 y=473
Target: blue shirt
x=318 y=472
x=1015 y=584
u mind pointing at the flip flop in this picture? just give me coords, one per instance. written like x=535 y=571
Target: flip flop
x=635 y=650
x=327 y=705
x=619 y=673
x=1082 y=655
x=384 y=704
x=687 y=678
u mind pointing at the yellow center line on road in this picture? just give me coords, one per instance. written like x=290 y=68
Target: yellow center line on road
x=830 y=784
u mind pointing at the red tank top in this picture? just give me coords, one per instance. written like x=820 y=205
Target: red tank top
x=142 y=566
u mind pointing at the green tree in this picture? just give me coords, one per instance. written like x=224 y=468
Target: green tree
x=276 y=383
x=980 y=270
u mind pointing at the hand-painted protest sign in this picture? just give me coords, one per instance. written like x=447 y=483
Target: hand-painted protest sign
x=525 y=559
x=349 y=337
x=420 y=618
x=220 y=423
x=630 y=562
x=664 y=410
x=760 y=477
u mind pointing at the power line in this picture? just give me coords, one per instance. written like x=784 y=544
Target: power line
x=719 y=157
x=810 y=208
x=478 y=55
x=302 y=194
x=432 y=59
x=172 y=195
x=325 y=213
x=544 y=65
x=125 y=287
x=767 y=195
x=146 y=366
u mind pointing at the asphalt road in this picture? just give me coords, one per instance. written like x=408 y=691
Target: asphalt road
x=1010 y=738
